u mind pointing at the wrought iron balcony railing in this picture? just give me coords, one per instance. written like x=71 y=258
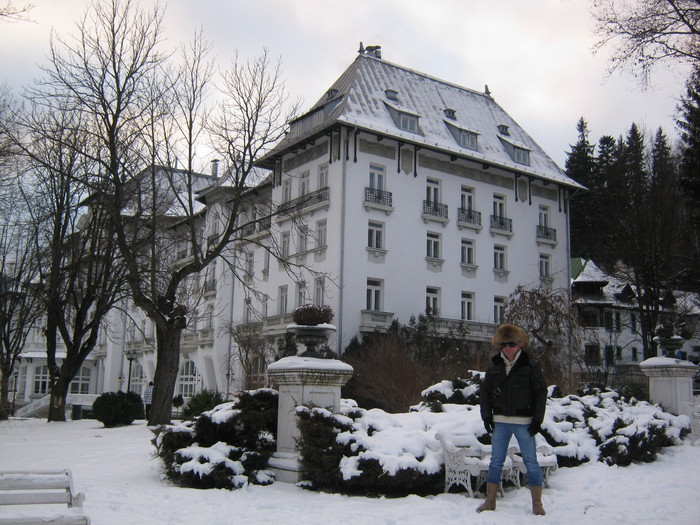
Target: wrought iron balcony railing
x=501 y=223
x=435 y=209
x=469 y=216
x=375 y=196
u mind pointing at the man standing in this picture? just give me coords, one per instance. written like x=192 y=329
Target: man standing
x=513 y=397
x=147 y=397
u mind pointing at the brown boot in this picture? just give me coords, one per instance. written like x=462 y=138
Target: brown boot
x=537 y=508
x=490 y=501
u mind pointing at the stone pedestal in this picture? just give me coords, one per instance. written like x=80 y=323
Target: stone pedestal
x=302 y=381
x=670 y=382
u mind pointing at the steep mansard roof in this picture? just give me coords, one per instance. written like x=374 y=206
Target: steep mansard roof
x=372 y=92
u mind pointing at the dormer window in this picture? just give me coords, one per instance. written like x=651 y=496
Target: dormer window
x=408 y=122
x=391 y=94
x=521 y=156
x=503 y=130
x=331 y=93
x=468 y=139
x=450 y=113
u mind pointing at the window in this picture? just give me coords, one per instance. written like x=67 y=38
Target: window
x=374 y=294
x=432 y=300
x=468 y=139
x=188 y=379
x=433 y=246
x=635 y=354
x=323 y=176
x=618 y=353
x=287 y=191
x=304 y=184
x=499 y=309
x=376 y=177
x=303 y=235
x=320 y=291
x=545 y=270
x=266 y=262
x=265 y=305
x=499 y=206
x=375 y=235
x=613 y=321
x=633 y=322
x=544 y=216
x=499 y=258
x=249 y=264
x=609 y=355
x=467 y=306
x=522 y=156
x=248 y=314
x=467 y=255
x=408 y=122
x=467 y=198
x=432 y=191
x=301 y=293
x=282 y=304
x=591 y=355
x=321 y=234
x=285 y=244
x=41 y=380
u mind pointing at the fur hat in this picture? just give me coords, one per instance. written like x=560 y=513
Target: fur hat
x=509 y=332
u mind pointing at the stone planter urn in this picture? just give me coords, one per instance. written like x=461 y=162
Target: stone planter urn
x=304 y=379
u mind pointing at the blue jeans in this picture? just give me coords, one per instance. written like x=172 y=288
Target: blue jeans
x=500 y=439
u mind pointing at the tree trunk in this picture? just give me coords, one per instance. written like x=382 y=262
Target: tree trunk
x=57 y=406
x=167 y=366
x=4 y=396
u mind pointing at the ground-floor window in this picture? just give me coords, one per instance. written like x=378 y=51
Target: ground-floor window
x=41 y=380
x=81 y=382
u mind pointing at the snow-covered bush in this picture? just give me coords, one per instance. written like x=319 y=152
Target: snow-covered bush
x=225 y=447
x=374 y=452
x=115 y=409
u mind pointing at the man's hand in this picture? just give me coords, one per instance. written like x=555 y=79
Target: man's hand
x=488 y=425
x=534 y=428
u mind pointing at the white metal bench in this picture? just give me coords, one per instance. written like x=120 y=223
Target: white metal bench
x=464 y=463
x=545 y=458
x=26 y=488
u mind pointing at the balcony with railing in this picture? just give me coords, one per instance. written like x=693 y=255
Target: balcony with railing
x=435 y=211
x=546 y=235
x=468 y=218
x=375 y=321
x=501 y=225
x=379 y=200
x=308 y=203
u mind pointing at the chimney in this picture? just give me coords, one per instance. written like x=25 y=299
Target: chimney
x=215 y=168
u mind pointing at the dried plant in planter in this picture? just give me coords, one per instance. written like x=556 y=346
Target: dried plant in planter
x=312 y=315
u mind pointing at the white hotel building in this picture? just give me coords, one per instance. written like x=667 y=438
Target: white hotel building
x=416 y=193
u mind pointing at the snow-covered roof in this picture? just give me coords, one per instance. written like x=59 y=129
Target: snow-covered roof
x=370 y=93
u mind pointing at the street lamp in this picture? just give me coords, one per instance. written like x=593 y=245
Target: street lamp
x=130 y=355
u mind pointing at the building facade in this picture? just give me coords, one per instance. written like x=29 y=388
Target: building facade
x=396 y=194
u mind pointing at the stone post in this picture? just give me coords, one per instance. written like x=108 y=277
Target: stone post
x=670 y=383
x=302 y=381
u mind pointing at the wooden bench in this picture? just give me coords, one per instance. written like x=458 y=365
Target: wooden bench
x=26 y=488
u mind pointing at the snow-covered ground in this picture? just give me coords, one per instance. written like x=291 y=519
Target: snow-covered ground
x=122 y=483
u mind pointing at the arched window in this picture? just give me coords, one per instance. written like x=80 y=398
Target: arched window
x=188 y=380
x=81 y=382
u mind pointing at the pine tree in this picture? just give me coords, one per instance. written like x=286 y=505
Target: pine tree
x=689 y=125
x=579 y=165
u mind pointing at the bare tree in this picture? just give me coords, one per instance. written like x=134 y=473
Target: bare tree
x=552 y=324
x=80 y=275
x=647 y=32
x=19 y=305
x=252 y=353
x=9 y=11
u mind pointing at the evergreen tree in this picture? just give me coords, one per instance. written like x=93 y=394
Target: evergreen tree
x=689 y=125
x=579 y=165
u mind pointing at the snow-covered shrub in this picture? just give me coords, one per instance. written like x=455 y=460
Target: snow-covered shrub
x=225 y=447
x=202 y=401
x=114 y=409
x=458 y=391
x=335 y=457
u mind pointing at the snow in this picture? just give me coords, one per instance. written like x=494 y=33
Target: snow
x=309 y=363
x=121 y=479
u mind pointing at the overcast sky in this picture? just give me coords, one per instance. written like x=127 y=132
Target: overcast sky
x=535 y=55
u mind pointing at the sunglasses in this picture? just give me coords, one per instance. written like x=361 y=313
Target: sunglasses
x=509 y=344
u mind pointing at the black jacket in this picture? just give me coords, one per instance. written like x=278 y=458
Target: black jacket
x=523 y=393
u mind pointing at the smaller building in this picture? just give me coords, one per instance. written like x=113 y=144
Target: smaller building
x=609 y=312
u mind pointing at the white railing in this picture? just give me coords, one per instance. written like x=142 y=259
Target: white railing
x=32 y=408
